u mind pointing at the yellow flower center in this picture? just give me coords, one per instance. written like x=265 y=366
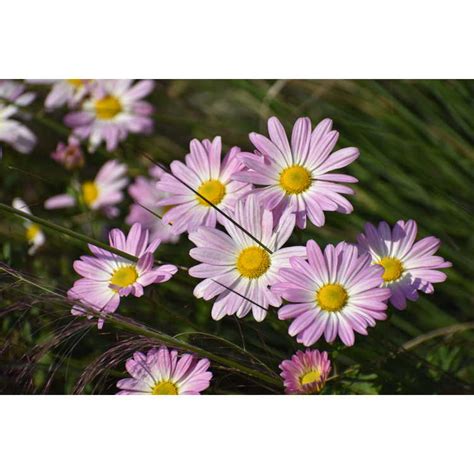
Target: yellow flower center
x=295 y=179
x=253 y=262
x=331 y=297
x=213 y=190
x=310 y=377
x=107 y=108
x=393 y=268
x=90 y=192
x=75 y=82
x=124 y=276
x=32 y=231
x=165 y=388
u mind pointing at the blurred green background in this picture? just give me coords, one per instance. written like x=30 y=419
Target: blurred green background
x=416 y=141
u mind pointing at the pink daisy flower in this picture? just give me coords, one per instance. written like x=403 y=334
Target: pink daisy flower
x=70 y=155
x=12 y=98
x=408 y=267
x=113 y=110
x=306 y=372
x=332 y=293
x=238 y=270
x=108 y=277
x=103 y=193
x=163 y=372
x=146 y=195
x=67 y=92
x=299 y=176
x=205 y=173
x=33 y=233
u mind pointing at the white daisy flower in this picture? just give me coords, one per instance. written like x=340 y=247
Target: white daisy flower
x=34 y=234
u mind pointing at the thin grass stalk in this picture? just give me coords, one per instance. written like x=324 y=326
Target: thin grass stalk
x=73 y=234
x=164 y=168
x=130 y=325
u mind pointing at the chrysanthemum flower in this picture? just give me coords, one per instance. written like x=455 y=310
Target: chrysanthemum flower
x=237 y=269
x=146 y=195
x=113 y=110
x=12 y=98
x=108 y=277
x=103 y=193
x=299 y=176
x=407 y=266
x=332 y=293
x=67 y=92
x=205 y=173
x=163 y=372
x=70 y=155
x=34 y=234
x=306 y=372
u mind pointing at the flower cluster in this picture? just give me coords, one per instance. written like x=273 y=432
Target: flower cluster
x=240 y=211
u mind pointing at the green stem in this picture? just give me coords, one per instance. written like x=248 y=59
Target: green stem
x=53 y=125
x=441 y=332
x=73 y=234
x=141 y=330
x=170 y=340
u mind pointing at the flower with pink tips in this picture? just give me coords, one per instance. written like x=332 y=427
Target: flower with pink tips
x=145 y=209
x=299 y=176
x=107 y=277
x=306 y=372
x=113 y=109
x=103 y=193
x=237 y=269
x=163 y=372
x=331 y=293
x=408 y=266
x=205 y=173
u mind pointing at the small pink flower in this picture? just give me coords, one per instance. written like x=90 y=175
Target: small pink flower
x=70 y=155
x=306 y=372
x=408 y=266
x=162 y=372
x=335 y=293
x=146 y=195
x=298 y=177
x=112 y=111
x=205 y=173
x=108 y=277
x=103 y=193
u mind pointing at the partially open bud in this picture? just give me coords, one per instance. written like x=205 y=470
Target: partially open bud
x=70 y=155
